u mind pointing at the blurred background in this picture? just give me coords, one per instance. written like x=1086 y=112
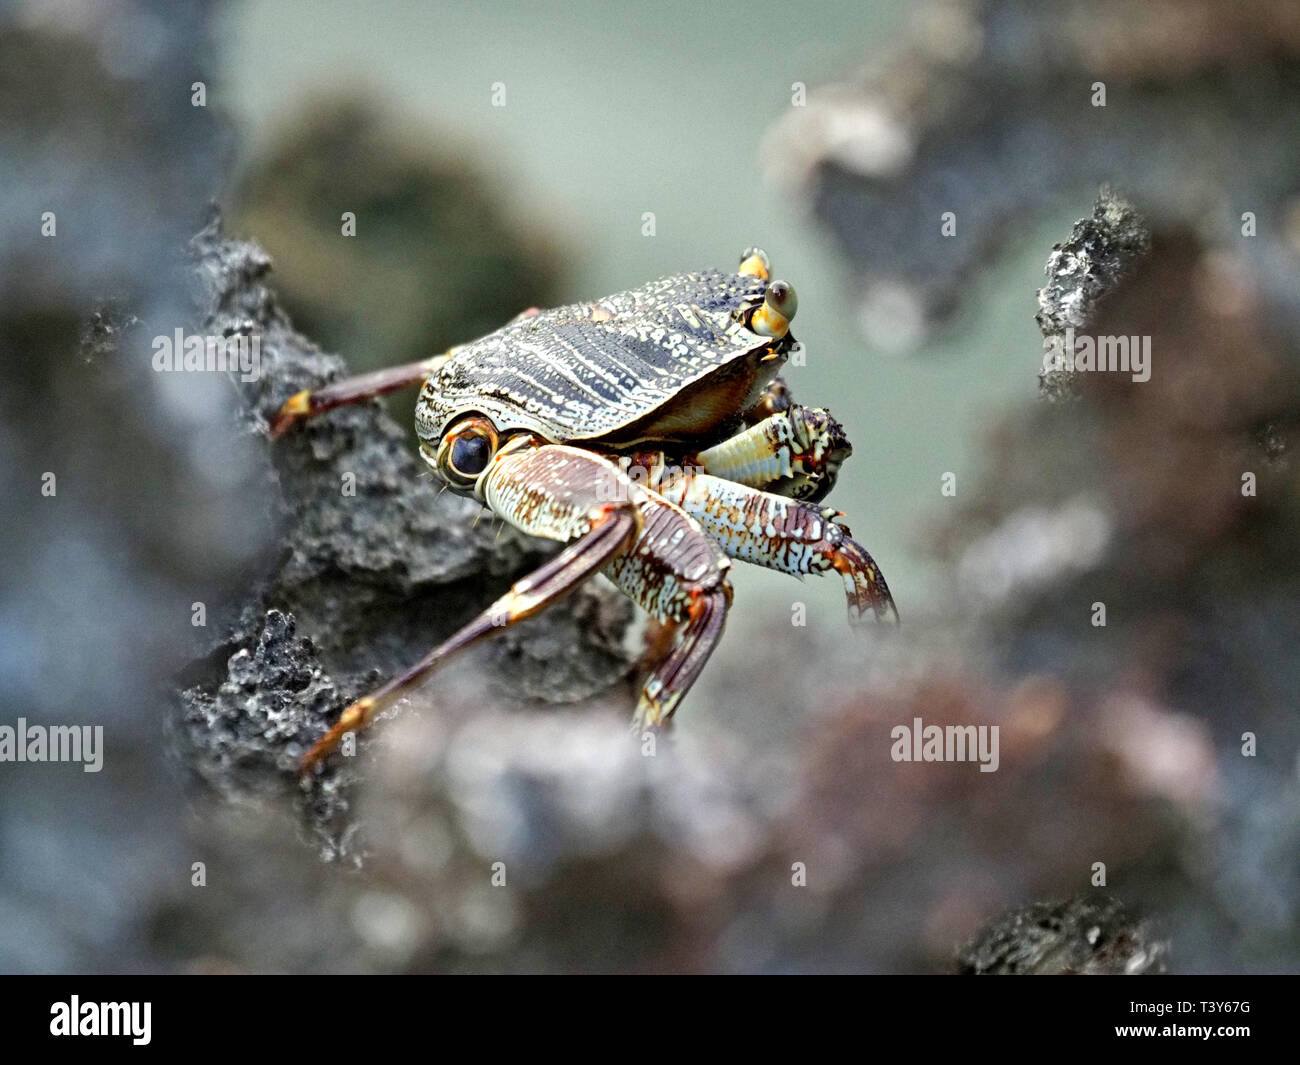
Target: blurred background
x=516 y=154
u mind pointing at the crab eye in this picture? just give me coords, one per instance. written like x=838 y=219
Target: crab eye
x=755 y=263
x=781 y=298
x=466 y=450
x=772 y=318
x=470 y=454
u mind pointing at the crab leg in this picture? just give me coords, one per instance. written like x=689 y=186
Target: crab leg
x=312 y=401
x=795 y=452
x=772 y=400
x=785 y=535
x=678 y=575
x=673 y=570
x=548 y=491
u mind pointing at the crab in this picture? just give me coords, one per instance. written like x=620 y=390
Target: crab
x=651 y=432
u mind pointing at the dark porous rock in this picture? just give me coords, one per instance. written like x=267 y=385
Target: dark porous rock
x=1100 y=253
x=249 y=729
x=375 y=566
x=1088 y=934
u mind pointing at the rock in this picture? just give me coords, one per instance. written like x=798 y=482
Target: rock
x=1100 y=253
x=375 y=567
x=1003 y=115
x=434 y=259
x=1088 y=934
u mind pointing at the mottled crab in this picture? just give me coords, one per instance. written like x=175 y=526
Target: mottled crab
x=650 y=431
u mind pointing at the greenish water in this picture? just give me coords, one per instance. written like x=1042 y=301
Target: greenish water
x=613 y=111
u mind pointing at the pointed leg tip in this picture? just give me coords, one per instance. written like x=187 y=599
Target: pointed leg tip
x=866 y=616
x=314 y=757
x=354 y=718
x=648 y=717
x=296 y=406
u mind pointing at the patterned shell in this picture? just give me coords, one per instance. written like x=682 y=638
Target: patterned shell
x=587 y=370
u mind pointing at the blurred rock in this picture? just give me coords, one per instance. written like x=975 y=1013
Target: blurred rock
x=1088 y=935
x=991 y=111
x=436 y=258
x=1100 y=253
x=104 y=166
x=1171 y=503
x=1187 y=683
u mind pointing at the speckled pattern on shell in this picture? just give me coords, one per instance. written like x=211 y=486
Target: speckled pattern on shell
x=585 y=370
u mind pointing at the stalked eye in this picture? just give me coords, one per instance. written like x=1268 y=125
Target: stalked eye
x=780 y=297
x=772 y=318
x=755 y=263
x=470 y=454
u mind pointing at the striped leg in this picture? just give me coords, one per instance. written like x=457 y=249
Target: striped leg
x=555 y=492
x=650 y=548
x=312 y=401
x=679 y=575
x=674 y=570
x=796 y=452
x=785 y=535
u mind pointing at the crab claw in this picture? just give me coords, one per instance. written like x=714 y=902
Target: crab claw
x=864 y=584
